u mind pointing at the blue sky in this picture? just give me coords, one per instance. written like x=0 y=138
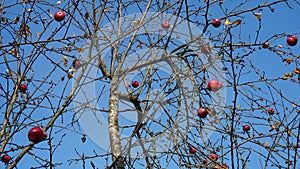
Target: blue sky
x=283 y=20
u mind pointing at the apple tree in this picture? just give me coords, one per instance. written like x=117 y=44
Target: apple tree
x=149 y=84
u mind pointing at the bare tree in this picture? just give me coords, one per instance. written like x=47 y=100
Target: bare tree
x=148 y=84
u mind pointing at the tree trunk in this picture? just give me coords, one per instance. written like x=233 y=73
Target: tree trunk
x=113 y=126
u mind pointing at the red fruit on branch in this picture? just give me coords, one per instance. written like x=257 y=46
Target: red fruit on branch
x=213 y=157
x=23 y=87
x=5 y=159
x=216 y=22
x=265 y=45
x=214 y=85
x=292 y=40
x=246 y=128
x=76 y=64
x=271 y=111
x=36 y=134
x=193 y=149
x=202 y=112
x=165 y=25
x=59 y=16
x=135 y=84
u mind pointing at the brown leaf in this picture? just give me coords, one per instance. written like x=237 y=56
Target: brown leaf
x=16 y=20
x=65 y=61
x=297 y=70
x=70 y=75
x=258 y=15
x=86 y=15
x=288 y=61
x=287 y=76
x=80 y=50
x=237 y=22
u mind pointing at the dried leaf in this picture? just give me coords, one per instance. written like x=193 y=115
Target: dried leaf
x=290 y=132
x=237 y=22
x=80 y=50
x=287 y=76
x=16 y=20
x=227 y=22
x=107 y=9
x=86 y=15
x=258 y=15
x=50 y=14
x=65 y=61
x=11 y=51
x=288 y=61
x=261 y=99
x=297 y=70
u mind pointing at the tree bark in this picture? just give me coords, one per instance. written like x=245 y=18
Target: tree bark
x=113 y=126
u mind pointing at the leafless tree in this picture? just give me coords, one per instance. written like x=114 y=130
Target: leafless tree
x=124 y=84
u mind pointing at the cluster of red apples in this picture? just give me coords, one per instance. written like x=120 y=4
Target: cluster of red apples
x=35 y=135
x=212 y=157
x=291 y=41
x=215 y=23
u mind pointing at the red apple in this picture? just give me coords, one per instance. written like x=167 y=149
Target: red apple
x=216 y=22
x=265 y=45
x=165 y=25
x=59 y=16
x=214 y=85
x=271 y=111
x=246 y=128
x=202 y=112
x=213 y=157
x=135 y=84
x=36 y=134
x=292 y=40
x=76 y=64
x=193 y=149
x=5 y=159
x=23 y=87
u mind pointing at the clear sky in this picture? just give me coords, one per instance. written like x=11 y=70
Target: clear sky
x=282 y=20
